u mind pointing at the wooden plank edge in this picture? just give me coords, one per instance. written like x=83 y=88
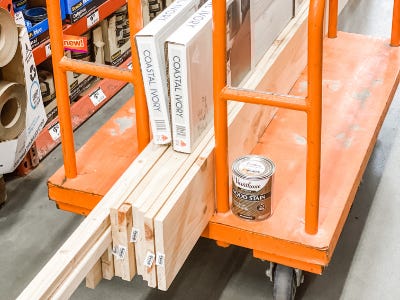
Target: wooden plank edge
x=83 y=238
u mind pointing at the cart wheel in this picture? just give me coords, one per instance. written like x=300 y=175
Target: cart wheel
x=284 y=283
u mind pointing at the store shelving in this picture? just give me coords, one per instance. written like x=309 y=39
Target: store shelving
x=96 y=96
x=87 y=105
x=43 y=51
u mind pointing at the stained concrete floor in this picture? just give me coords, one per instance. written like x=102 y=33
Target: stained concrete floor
x=365 y=264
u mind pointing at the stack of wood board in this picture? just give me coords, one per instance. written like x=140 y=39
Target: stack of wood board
x=168 y=217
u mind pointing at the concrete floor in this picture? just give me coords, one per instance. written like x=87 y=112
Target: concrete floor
x=365 y=264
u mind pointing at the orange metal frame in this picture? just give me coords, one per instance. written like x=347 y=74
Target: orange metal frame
x=311 y=105
x=62 y=64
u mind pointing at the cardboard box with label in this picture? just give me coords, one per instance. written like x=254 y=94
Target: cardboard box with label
x=77 y=9
x=116 y=37
x=22 y=70
x=39 y=32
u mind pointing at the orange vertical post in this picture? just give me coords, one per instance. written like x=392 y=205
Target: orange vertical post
x=60 y=83
x=395 y=38
x=142 y=117
x=220 y=106
x=314 y=117
x=333 y=18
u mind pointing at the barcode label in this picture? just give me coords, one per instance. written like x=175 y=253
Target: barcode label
x=97 y=96
x=180 y=131
x=47 y=49
x=160 y=125
x=55 y=131
x=119 y=252
x=134 y=235
x=149 y=260
x=160 y=260
x=93 y=18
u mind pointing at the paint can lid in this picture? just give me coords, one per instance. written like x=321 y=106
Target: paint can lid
x=253 y=167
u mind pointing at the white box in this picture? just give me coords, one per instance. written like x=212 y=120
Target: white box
x=150 y=43
x=190 y=79
x=22 y=69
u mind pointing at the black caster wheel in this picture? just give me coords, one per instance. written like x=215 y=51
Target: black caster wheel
x=285 y=283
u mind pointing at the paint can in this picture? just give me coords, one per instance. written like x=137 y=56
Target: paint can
x=252 y=180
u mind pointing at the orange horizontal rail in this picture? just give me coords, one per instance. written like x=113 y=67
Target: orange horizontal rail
x=98 y=70
x=264 y=98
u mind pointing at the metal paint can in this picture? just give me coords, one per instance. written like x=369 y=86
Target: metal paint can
x=252 y=179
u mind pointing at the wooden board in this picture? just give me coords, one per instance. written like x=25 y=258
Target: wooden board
x=107 y=264
x=76 y=248
x=121 y=228
x=69 y=285
x=95 y=275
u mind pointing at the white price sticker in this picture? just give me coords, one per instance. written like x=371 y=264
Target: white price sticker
x=160 y=259
x=149 y=260
x=47 y=48
x=97 y=96
x=120 y=251
x=93 y=18
x=55 y=131
x=134 y=235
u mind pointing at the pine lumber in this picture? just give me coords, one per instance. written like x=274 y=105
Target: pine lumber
x=70 y=284
x=78 y=245
x=121 y=227
x=95 y=275
x=107 y=264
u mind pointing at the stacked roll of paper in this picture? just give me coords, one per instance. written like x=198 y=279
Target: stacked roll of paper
x=12 y=110
x=8 y=37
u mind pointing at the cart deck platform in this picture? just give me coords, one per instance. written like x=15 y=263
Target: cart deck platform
x=117 y=141
x=360 y=77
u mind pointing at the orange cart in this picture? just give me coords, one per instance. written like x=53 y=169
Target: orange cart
x=351 y=80
x=320 y=140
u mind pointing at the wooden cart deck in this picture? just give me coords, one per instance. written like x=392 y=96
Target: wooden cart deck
x=116 y=140
x=360 y=77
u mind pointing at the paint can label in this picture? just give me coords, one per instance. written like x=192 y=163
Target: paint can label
x=252 y=179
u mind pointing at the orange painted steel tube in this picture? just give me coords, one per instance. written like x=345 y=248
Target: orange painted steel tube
x=90 y=68
x=220 y=107
x=60 y=82
x=314 y=117
x=142 y=117
x=395 y=39
x=265 y=98
x=333 y=18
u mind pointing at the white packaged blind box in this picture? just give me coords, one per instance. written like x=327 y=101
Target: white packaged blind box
x=190 y=71
x=190 y=79
x=150 y=43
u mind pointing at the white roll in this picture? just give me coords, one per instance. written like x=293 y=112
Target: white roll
x=12 y=110
x=8 y=37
